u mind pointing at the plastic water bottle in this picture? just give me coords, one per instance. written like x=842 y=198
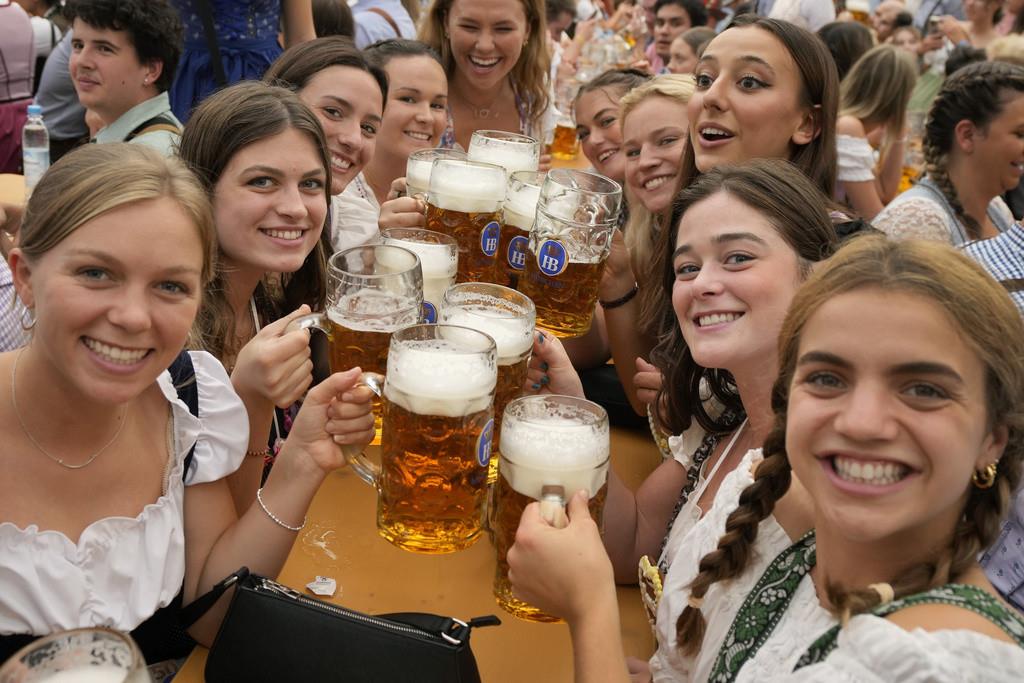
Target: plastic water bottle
x=35 y=147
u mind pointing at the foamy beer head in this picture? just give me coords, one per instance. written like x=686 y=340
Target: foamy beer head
x=511 y=151
x=466 y=186
x=439 y=259
x=554 y=440
x=441 y=370
x=504 y=314
x=417 y=169
x=520 y=206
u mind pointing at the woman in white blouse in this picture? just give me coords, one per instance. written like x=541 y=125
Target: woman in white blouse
x=974 y=152
x=847 y=550
x=873 y=101
x=101 y=522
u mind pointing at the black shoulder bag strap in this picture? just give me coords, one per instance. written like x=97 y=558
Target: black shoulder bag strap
x=206 y=14
x=183 y=376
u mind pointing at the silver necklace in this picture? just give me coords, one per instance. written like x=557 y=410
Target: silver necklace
x=59 y=461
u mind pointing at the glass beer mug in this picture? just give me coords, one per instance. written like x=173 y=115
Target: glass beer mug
x=511 y=151
x=576 y=215
x=418 y=166
x=508 y=318
x=465 y=202
x=518 y=213
x=439 y=261
x=372 y=291
x=438 y=423
x=552 y=447
x=84 y=655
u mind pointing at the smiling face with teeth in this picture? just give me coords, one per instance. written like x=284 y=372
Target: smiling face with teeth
x=735 y=278
x=350 y=106
x=749 y=100
x=417 y=112
x=654 y=139
x=486 y=38
x=597 y=127
x=113 y=301
x=887 y=418
x=269 y=205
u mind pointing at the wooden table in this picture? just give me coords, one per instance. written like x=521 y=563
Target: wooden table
x=374 y=576
x=12 y=188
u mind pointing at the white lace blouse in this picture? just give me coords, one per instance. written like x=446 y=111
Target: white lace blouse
x=870 y=649
x=122 y=569
x=802 y=623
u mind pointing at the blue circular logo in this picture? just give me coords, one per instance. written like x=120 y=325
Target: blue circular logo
x=429 y=312
x=489 y=237
x=516 y=253
x=483 y=444
x=552 y=258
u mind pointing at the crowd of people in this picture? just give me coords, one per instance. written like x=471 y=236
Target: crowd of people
x=814 y=301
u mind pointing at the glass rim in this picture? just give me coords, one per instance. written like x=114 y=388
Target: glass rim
x=536 y=178
x=437 y=153
x=443 y=240
x=506 y=294
x=138 y=661
x=468 y=162
x=505 y=136
x=411 y=333
x=335 y=269
x=563 y=179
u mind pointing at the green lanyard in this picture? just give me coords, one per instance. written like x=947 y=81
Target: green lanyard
x=763 y=608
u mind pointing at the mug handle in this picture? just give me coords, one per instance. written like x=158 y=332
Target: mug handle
x=315 y=320
x=552 y=506
x=366 y=470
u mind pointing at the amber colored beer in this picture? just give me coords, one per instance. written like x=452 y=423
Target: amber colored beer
x=509 y=505
x=478 y=235
x=432 y=488
x=553 y=444
x=518 y=212
x=565 y=145
x=565 y=302
x=512 y=254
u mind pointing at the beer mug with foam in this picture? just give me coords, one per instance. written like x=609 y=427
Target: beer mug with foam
x=417 y=169
x=572 y=235
x=438 y=425
x=508 y=318
x=439 y=260
x=84 y=655
x=552 y=447
x=465 y=202
x=518 y=213
x=372 y=291
x=511 y=151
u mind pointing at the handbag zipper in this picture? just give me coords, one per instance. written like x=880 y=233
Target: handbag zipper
x=280 y=589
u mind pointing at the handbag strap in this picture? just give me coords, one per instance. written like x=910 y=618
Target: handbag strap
x=455 y=631
x=183 y=377
x=388 y=18
x=206 y=14
x=193 y=612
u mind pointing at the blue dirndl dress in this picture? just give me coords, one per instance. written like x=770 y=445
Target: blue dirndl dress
x=247 y=38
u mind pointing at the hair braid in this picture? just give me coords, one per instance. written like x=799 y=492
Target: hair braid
x=976 y=93
x=728 y=560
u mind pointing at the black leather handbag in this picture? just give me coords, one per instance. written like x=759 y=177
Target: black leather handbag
x=274 y=633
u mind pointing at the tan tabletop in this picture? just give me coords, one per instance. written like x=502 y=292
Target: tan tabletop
x=373 y=576
x=12 y=188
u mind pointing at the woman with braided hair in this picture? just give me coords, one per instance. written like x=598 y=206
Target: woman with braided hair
x=974 y=152
x=847 y=549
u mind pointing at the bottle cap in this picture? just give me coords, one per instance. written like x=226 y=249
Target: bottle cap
x=34 y=110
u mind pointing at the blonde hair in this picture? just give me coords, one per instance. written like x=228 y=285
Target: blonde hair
x=877 y=90
x=641 y=232
x=529 y=76
x=985 y=316
x=96 y=179
x=1007 y=49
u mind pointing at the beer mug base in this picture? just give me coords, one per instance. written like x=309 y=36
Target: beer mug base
x=439 y=543
x=519 y=609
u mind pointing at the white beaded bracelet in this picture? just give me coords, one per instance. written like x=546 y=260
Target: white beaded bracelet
x=259 y=499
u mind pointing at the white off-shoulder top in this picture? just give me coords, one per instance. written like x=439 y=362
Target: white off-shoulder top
x=122 y=570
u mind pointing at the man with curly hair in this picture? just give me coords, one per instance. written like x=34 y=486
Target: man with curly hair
x=123 y=57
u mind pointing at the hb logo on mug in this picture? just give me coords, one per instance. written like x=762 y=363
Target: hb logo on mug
x=489 y=237
x=552 y=258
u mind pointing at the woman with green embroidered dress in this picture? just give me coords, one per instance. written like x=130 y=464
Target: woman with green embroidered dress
x=850 y=544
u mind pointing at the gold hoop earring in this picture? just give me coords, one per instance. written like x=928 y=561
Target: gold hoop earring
x=984 y=479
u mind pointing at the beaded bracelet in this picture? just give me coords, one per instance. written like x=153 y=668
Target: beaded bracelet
x=622 y=300
x=259 y=499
